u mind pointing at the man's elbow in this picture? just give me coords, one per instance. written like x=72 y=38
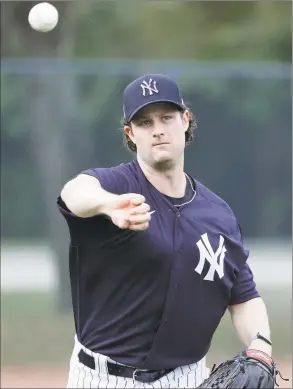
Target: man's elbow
x=69 y=196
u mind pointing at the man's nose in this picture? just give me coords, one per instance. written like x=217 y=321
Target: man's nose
x=158 y=130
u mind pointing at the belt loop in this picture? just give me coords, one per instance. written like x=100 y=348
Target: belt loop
x=133 y=375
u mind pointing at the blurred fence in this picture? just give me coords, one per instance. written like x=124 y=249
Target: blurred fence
x=271 y=262
x=60 y=117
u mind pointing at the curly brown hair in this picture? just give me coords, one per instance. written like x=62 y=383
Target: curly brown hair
x=189 y=134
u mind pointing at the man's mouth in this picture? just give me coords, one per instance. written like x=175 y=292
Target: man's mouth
x=160 y=144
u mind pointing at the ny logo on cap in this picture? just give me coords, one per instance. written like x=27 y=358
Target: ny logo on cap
x=151 y=87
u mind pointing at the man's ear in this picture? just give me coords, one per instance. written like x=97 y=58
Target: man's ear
x=185 y=117
x=128 y=131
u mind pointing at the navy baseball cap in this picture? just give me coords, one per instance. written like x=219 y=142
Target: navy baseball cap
x=148 y=89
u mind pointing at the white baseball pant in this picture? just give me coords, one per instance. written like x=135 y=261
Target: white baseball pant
x=80 y=376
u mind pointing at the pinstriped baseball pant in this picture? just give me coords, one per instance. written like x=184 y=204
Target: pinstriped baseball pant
x=80 y=376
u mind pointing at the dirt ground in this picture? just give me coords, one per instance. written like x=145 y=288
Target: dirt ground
x=56 y=376
x=34 y=376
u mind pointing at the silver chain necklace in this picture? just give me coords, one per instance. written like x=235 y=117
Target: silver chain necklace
x=193 y=196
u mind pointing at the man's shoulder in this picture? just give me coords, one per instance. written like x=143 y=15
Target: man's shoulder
x=118 y=179
x=219 y=209
x=210 y=196
x=123 y=169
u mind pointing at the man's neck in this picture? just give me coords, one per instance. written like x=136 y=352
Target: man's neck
x=171 y=182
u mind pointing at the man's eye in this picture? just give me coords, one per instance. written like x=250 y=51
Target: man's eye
x=167 y=117
x=145 y=123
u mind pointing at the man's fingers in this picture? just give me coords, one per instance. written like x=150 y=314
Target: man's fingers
x=139 y=227
x=129 y=200
x=134 y=227
x=142 y=208
x=136 y=219
x=139 y=219
x=123 y=223
x=137 y=200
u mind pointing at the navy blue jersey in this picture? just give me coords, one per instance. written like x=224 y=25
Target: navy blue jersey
x=153 y=299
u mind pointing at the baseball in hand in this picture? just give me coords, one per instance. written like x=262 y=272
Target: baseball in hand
x=43 y=17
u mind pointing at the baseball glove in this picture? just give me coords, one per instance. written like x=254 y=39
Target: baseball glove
x=251 y=369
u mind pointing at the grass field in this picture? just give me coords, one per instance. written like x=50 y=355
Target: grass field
x=32 y=331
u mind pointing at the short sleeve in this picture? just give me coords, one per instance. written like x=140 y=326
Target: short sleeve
x=115 y=180
x=63 y=208
x=244 y=288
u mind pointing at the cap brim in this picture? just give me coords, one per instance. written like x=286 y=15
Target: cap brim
x=152 y=102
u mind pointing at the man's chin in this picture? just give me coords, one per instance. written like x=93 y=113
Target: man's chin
x=163 y=163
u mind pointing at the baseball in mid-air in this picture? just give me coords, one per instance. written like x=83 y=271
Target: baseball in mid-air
x=43 y=17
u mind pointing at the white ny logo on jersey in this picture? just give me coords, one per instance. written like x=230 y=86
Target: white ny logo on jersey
x=151 y=87
x=207 y=254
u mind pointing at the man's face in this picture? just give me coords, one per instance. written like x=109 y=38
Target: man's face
x=158 y=132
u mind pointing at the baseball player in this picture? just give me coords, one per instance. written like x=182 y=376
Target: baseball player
x=156 y=258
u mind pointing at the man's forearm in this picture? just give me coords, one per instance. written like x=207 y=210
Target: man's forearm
x=85 y=197
x=249 y=318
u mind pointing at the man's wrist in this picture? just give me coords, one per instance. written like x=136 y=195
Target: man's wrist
x=106 y=207
x=258 y=344
x=266 y=339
